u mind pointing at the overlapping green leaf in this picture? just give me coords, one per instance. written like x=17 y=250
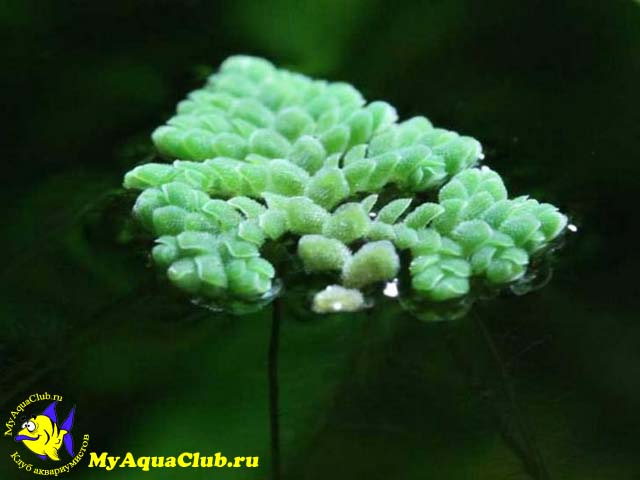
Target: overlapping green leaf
x=264 y=153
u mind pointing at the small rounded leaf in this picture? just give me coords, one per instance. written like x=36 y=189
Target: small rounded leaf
x=308 y=153
x=374 y=262
x=319 y=253
x=328 y=187
x=348 y=223
x=393 y=210
x=335 y=299
x=184 y=274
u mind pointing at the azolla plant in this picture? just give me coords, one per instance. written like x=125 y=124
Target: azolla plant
x=269 y=156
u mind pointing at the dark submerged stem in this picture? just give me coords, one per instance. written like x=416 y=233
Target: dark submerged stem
x=489 y=397
x=273 y=388
x=533 y=459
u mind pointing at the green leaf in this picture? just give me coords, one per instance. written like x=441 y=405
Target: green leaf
x=328 y=187
x=319 y=253
x=393 y=210
x=374 y=262
x=348 y=223
x=306 y=147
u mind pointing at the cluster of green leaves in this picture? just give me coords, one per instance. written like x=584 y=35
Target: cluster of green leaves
x=265 y=153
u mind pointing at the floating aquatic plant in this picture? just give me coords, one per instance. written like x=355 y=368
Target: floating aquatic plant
x=265 y=155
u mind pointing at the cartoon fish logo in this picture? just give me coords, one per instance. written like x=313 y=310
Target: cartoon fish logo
x=43 y=436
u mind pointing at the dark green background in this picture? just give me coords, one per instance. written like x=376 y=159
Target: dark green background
x=551 y=89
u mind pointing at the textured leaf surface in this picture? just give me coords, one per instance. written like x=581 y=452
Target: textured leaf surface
x=264 y=154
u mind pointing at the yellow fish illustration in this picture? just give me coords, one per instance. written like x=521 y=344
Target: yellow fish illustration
x=43 y=436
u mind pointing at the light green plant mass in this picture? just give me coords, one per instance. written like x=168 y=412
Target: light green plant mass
x=265 y=155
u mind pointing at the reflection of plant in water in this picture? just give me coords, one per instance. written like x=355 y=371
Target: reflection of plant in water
x=266 y=153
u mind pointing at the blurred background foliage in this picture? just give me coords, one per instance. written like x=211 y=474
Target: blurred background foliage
x=540 y=386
